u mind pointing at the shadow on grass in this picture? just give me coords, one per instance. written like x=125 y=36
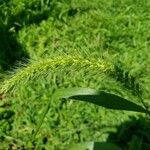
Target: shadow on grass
x=132 y=135
x=11 y=50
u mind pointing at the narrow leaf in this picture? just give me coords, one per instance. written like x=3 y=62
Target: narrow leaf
x=100 y=98
x=94 y=146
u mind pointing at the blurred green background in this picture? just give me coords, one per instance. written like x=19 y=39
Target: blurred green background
x=117 y=31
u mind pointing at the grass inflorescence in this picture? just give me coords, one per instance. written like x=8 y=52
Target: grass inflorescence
x=33 y=70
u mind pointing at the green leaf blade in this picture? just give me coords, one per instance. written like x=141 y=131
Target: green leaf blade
x=99 y=98
x=94 y=146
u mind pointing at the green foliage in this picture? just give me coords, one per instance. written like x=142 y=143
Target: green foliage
x=98 y=44
x=100 y=98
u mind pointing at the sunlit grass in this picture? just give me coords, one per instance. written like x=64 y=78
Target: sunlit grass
x=114 y=32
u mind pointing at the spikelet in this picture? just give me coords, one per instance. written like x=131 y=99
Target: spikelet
x=26 y=73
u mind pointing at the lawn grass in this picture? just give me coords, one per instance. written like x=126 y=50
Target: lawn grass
x=113 y=31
